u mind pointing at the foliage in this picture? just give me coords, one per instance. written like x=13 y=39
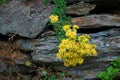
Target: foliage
x=52 y=77
x=72 y=48
x=111 y=72
x=2 y=2
x=60 y=6
x=27 y=63
x=46 y=2
x=116 y=63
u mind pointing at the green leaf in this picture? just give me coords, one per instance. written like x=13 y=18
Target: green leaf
x=27 y=63
x=109 y=70
x=44 y=72
x=53 y=77
x=113 y=64
x=61 y=74
x=106 y=77
x=100 y=74
x=115 y=70
x=46 y=2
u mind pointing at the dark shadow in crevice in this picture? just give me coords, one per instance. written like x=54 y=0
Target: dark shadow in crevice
x=48 y=27
x=92 y=30
x=105 y=6
x=98 y=10
x=3 y=38
x=74 y=15
x=12 y=37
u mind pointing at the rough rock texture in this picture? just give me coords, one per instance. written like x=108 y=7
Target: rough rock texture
x=97 y=21
x=102 y=5
x=10 y=56
x=108 y=43
x=75 y=1
x=79 y=9
x=102 y=2
x=27 y=19
x=46 y=48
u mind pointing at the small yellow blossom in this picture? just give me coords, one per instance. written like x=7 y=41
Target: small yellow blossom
x=53 y=18
x=80 y=61
x=66 y=27
x=94 y=52
x=71 y=34
x=73 y=48
x=87 y=36
x=59 y=56
x=75 y=27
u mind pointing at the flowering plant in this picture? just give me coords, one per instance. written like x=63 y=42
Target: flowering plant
x=72 y=48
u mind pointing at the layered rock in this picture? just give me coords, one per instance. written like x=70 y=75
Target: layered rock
x=27 y=19
x=108 y=48
x=12 y=60
x=79 y=9
x=103 y=6
x=97 y=21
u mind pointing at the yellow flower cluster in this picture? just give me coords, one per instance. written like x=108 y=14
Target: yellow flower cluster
x=70 y=32
x=53 y=18
x=73 y=49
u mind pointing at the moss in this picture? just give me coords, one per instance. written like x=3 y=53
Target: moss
x=2 y=2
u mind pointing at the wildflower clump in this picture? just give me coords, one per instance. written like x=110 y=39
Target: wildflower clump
x=53 y=18
x=73 y=48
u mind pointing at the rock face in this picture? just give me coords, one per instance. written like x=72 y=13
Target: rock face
x=103 y=6
x=97 y=21
x=27 y=19
x=108 y=43
x=79 y=9
x=75 y=1
x=10 y=55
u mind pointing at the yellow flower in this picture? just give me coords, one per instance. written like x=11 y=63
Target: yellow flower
x=66 y=63
x=71 y=34
x=87 y=36
x=94 y=52
x=94 y=46
x=75 y=27
x=59 y=55
x=88 y=46
x=72 y=49
x=66 y=27
x=62 y=50
x=64 y=41
x=80 y=61
x=81 y=38
x=53 y=18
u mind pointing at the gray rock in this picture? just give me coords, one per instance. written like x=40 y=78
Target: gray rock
x=44 y=47
x=79 y=9
x=97 y=21
x=27 y=19
x=103 y=6
x=102 y=2
x=75 y=1
x=108 y=48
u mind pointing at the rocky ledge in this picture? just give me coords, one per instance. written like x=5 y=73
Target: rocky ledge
x=24 y=31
